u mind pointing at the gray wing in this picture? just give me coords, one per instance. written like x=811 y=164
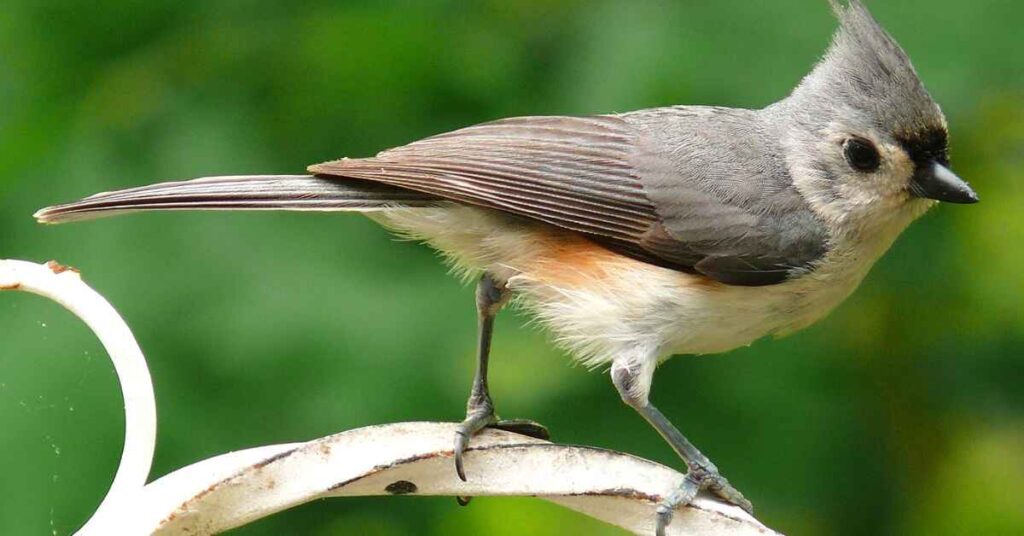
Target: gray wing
x=617 y=180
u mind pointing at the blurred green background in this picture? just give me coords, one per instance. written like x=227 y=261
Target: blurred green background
x=902 y=413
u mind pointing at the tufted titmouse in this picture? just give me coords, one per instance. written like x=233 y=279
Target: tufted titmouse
x=636 y=236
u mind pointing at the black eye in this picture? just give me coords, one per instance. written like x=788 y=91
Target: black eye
x=861 y=155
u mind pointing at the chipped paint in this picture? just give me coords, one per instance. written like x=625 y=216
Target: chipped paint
x=59 y=268
x=401 y=487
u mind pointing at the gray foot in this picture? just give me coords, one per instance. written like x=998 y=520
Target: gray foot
x=477 y=421
x=479 y=416
x=698 y=479
x=483 y=417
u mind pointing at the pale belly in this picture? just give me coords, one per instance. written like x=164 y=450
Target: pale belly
x=672 y=312
x=600 y=305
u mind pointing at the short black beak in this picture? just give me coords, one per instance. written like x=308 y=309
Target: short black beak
x=935 y=181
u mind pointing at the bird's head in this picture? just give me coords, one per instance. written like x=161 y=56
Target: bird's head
x=864 y=139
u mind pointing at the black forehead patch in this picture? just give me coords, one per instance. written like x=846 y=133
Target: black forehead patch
x=930 y=144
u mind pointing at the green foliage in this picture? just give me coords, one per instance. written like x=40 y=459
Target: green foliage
x=900 y=414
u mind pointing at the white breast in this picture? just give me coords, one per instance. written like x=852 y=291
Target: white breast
x=601 y=306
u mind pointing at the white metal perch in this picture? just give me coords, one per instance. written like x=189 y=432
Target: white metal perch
x=233 y=489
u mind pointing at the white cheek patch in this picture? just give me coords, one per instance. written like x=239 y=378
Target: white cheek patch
x=900 y=168
x=843 y=197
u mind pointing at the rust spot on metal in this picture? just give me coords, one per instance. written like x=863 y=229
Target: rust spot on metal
x=197 y=497
x=401 y=487
x=59 y=268
x=625 y=493
x=203 y=493
x=274 y=458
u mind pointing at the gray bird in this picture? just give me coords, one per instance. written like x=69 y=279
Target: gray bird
x=637 y=236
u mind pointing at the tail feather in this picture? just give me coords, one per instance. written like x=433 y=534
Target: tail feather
x=242 y=192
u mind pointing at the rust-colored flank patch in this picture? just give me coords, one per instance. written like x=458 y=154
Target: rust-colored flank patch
x=570 y=259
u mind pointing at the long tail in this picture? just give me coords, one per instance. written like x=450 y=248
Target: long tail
x=242 y=192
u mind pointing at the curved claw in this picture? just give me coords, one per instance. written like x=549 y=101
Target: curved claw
x=477 y=420
x=739 y=500
x=721 y=487
x=461 y=440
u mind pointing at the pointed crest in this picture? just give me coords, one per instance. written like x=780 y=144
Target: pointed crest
x=867 y=70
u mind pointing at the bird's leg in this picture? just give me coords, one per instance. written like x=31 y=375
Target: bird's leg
x=701 y=473
x=490 y=297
